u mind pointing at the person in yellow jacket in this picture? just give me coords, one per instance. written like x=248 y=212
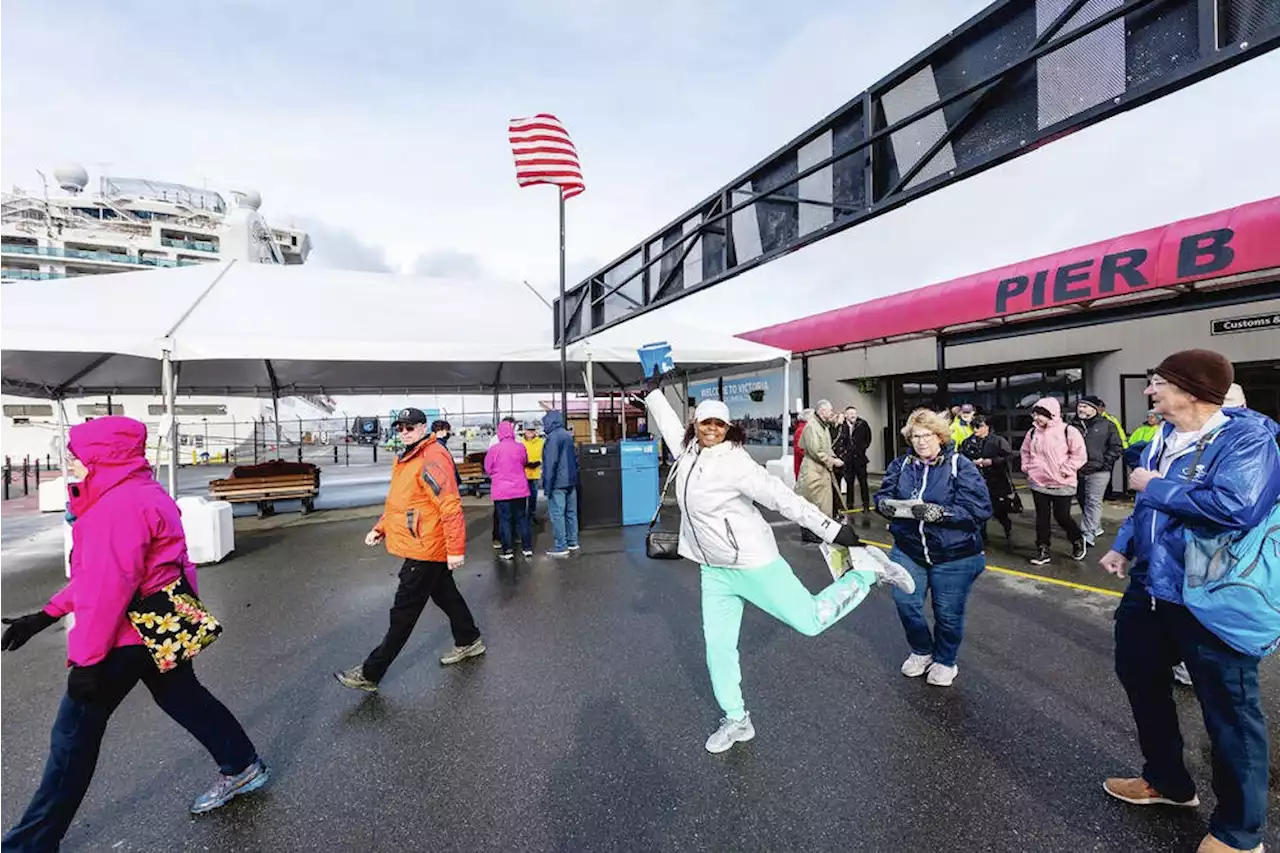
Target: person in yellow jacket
x=533 y=471
x=1146 y=432
x=1124 y=439
x=962 y=426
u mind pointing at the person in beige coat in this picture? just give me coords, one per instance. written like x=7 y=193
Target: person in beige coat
x=817 y=481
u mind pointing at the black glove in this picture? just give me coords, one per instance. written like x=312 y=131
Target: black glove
x=847 y=538
x=884 y=509
x=928 y=513
x=24 y=628
x=84 y=682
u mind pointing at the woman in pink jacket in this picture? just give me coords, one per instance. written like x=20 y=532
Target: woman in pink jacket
x=127 y=539
x=1051 y=455
x=509 y=487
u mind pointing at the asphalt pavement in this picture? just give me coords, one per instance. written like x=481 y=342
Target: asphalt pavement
x=582 y=729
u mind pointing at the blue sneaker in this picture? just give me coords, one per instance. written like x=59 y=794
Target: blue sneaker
x=228 y=788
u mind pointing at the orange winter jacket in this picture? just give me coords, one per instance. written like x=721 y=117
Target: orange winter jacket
x=422 y=518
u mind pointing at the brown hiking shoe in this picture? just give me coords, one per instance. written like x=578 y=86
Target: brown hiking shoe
x=1213 y=845
x=1139 y=793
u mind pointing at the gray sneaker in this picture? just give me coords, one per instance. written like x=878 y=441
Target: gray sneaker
x=228 y=788
x=731 y=732
x=354 y=678
x=461 y=653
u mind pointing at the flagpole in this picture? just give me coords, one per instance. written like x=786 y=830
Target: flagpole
x=564 y=358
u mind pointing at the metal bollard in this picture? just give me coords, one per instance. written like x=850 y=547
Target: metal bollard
x=335 y=454
x=37 y=475
x=8 y=477
x=26 y=467
x=375 y=451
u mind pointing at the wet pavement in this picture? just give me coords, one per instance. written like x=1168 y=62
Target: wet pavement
x=583 y=726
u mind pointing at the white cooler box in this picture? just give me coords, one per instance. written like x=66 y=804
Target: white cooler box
x=784 y=469
x=53 y=495
x=209 y=527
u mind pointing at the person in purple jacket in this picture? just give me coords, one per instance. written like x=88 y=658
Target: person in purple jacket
x=505 y=463
x=127 y=539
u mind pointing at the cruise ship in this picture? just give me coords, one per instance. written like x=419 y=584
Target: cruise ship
x=68 y=230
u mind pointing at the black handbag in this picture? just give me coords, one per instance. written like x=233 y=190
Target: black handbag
x=662 y=544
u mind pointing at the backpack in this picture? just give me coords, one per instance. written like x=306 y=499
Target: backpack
x=1232 y=583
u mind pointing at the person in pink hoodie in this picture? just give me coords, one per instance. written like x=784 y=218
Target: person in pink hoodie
x=509 y=487
x=1052 y=453
x=127 y=541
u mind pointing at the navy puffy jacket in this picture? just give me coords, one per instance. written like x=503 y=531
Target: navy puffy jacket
x=964 y=497
x=559 y=458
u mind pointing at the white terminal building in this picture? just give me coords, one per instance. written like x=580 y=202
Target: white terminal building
x=125 y=224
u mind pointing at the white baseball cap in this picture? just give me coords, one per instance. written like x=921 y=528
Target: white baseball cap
x=711 y=410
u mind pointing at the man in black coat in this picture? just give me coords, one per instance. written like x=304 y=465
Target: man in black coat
x=990 y=452
x=851 y=445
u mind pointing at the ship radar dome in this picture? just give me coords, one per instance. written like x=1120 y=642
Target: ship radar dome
x=71 y=177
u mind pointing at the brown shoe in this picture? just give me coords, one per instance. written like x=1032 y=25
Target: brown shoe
x=1213 y=845
x=1139 y=793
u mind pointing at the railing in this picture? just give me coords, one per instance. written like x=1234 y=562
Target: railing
x=196 y=245
x=30 y=274
x=89 y=255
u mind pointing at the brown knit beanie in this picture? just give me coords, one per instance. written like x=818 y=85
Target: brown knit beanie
x=1204 y=374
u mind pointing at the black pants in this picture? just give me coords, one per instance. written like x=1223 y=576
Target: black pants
x=419 y=581
x=856 y=470
x=80 y=726
x=497 y=524
x=1152 y=636
x=1060 y=508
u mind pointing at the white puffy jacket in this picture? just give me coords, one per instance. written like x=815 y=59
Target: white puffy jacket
x=718 y=489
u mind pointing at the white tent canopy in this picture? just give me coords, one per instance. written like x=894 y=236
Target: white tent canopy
x=238 y=328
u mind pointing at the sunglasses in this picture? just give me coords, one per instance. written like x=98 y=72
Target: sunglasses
x=406 y=427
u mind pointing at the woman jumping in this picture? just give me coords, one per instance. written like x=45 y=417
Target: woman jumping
x=717 y=486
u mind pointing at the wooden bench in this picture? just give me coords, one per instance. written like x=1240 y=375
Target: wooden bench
x=247 y=485
x=472 y=477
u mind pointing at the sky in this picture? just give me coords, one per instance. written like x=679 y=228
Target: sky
x=381 y=126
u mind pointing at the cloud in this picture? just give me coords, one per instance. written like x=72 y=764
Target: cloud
x=338 y=247
x=450 y=263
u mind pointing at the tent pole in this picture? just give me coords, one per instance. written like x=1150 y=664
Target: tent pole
x=167 y=379
x=591 y=397
x=786 y=404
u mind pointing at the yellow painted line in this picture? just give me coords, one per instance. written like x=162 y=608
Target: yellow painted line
x=1029 y=576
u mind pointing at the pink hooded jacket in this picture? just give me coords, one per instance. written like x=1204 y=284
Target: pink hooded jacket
x=127 y=537
x=504 y=463
x=1052 y=456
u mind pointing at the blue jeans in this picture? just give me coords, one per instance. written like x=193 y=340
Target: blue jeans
x=950 y=584
x=80 y=726
x=532 y=509
x=562 y=507
x=512 y=518
x=1149 y=641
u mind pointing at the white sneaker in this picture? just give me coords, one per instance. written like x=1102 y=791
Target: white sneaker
x=942 y=676
x=1181 y=675
x=916 y=665
x=731 y=732
x=872 y=559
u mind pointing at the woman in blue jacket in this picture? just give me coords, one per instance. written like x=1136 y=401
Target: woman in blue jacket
x=937 y=538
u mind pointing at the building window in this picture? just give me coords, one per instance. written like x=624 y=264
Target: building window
x=98 y=410
x=188 y=410
x=28 y=411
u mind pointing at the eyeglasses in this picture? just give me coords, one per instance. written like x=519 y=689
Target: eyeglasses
x=405 y=427
x=922 y=436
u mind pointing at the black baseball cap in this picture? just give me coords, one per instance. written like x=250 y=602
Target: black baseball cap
x=410 y=417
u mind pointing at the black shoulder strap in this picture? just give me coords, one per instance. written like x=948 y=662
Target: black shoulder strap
x=671 y=476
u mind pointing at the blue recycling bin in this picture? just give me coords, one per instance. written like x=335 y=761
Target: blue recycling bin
x=639 y=481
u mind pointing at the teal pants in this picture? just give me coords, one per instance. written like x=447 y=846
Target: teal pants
x=777 y=591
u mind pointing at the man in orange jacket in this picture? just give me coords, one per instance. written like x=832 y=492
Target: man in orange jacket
x=421 y=522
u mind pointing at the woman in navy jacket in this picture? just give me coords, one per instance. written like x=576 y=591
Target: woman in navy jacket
x=939 y=541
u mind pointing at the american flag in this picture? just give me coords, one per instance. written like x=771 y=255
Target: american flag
x=545 y=154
